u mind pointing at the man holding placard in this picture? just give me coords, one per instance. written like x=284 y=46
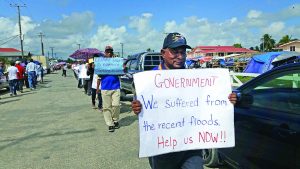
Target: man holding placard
x=174 y=56
x=110 y=91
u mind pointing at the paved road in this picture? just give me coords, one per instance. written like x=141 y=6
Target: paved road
x=56 y=127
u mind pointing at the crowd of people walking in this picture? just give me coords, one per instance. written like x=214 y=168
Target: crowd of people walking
x=22 y=74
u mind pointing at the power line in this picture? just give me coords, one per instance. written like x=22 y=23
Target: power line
x=12 y=38
x=8 y=38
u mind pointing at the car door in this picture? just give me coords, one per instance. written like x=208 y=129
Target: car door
x=267 y=127
x=127 y=79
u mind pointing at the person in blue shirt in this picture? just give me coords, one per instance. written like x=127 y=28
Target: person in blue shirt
x=110 y=91
x=174 y=56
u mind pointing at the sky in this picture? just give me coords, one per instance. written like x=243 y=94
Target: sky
x=143 y=24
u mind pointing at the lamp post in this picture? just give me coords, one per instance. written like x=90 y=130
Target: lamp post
x=122 y=44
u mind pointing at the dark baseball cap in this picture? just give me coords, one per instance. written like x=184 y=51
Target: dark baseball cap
x=174 y=40
x=109 y=48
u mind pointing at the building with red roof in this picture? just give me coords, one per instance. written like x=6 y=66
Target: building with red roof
x=9 y=50
x=217 y=51
x=10 y=53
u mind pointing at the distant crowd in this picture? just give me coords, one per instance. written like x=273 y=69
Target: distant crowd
x=22 y=74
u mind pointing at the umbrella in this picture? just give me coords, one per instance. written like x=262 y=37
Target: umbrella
x=61 y=63
x=286 y=55
x=85 y=53
x=36 y=62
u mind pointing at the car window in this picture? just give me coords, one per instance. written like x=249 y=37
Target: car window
x=127 y=64
x=281 y=93
x=133 y=65
x=151 y=61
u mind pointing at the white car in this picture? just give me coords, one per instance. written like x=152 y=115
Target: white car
x=4 y=82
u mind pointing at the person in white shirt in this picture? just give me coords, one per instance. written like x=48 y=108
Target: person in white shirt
x=96 y=92
x=12 y=78
x=84 y=77
x=31 y=70
x=64 y=73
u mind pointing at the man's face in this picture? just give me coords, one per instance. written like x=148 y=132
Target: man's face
x=109 y=53
x=174 y=58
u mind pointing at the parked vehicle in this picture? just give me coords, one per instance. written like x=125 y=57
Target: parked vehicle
x=137 y=63
x=4 y=82
x=267 y=123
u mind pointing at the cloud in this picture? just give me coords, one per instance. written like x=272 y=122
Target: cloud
x=107 y=35
x=253 y=14
x=6 y=26
x=68 y=25
x=274 y=28
x=140 y=23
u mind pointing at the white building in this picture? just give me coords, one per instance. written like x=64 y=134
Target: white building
x=290 y=46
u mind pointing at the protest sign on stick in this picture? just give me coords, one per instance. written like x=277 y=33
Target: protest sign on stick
x=184 y=110
x=108 y=66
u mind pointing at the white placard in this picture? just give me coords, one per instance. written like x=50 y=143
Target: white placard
x=184 y=110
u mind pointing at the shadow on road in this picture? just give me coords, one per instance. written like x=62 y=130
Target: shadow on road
x=68 y=132
x=19 y=140
x=8 y=101
x=125 y=108
x=127 y=121
x=38 y=134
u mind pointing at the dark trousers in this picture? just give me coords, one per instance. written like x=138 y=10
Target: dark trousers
x=94 y=98
x=79 y=83
x=13 y=86
x=89 y=88
x=86 y=86
x=26 y=81
x=64 y=73
x=20 y=85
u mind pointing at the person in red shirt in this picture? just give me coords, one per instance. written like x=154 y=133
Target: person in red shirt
x=20 y=76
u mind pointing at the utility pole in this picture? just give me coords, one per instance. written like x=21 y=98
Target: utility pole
x=78 y=45
x=122 y=44
x=20 y=27
x=52 y=51
x=42 y=45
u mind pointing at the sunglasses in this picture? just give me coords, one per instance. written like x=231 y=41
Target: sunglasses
x=109 y=51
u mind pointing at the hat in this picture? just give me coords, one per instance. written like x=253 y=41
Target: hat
x=174 y=40
x=109 y=48
x=17 y=62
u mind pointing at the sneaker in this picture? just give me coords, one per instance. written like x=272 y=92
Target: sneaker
x=111 y=128
x=117 y=126
x=11 y=95
x=94 y=107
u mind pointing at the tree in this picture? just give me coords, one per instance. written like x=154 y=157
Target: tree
x=251 y=48
x=285 y=39
x=256 y=48
x=237 y=45
x=149 y=50
x=267 y=43
x=69 y=60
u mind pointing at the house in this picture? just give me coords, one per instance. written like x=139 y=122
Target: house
x=217 y=51
x=290 y=46
x=10 y=53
